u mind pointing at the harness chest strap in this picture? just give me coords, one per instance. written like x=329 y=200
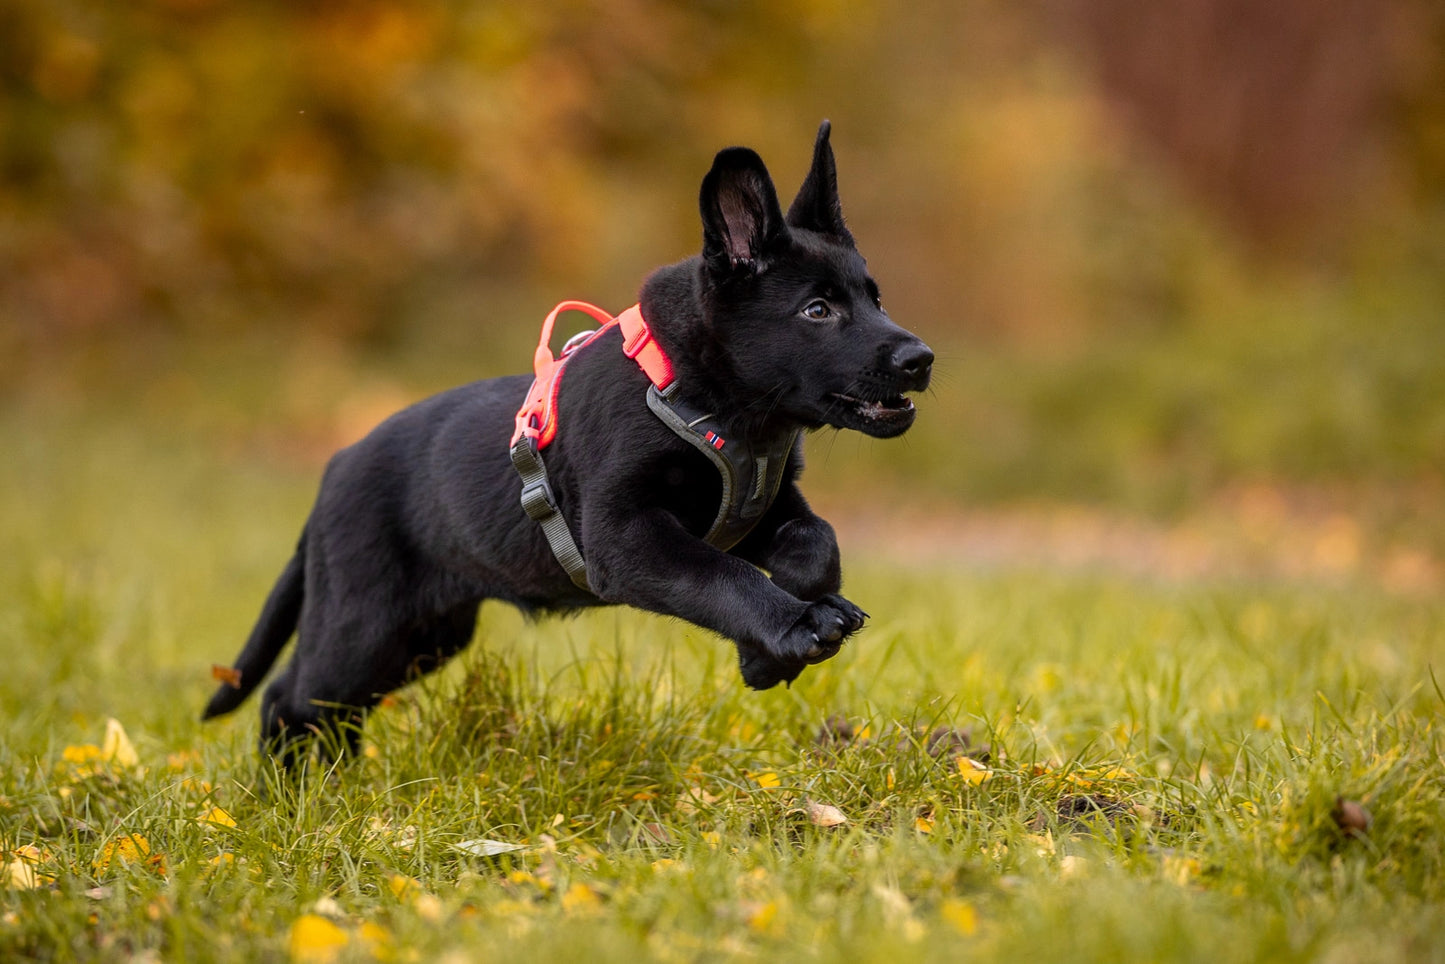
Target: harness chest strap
x=750 y=478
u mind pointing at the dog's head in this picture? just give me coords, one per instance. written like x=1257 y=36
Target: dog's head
x=798 y=322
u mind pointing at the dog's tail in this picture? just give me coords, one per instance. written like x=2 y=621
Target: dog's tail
x=278 y=621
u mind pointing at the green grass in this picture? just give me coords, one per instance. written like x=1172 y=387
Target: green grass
x=1163 y=760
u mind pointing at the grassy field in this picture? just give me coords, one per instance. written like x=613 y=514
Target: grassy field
x=1007 y=764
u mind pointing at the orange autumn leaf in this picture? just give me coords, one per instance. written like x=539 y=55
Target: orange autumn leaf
x=226 y=674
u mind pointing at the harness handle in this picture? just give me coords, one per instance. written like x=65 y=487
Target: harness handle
x=531 y=415
x=543 y=361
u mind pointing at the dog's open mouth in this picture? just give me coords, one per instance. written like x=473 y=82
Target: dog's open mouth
x=874 y=408
x=880 y=417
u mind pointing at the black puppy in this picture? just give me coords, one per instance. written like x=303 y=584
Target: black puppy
x=776 y=327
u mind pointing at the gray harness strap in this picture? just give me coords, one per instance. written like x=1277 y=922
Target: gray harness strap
x=750 y=480
x=750 y=477
x=540 y=504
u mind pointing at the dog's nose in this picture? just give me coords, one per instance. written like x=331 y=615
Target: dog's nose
x=913 y=358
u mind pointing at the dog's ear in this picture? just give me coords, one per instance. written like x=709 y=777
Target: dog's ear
x=817 y=207
x=741 y=219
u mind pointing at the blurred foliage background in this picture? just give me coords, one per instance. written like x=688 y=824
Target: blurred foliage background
x=1176 y=258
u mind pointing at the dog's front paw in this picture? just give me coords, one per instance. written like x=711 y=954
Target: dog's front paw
x=820 y=630
x=816 y=635
x=762 y=671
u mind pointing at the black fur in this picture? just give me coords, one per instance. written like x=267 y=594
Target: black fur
x=775 y=326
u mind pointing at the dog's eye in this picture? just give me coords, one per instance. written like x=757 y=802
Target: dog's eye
x=818 y=310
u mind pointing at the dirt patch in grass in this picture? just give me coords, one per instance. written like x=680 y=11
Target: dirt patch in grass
x=1250 y=533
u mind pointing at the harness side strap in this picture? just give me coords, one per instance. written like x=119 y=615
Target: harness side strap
x=540 y=504
x=639 y=344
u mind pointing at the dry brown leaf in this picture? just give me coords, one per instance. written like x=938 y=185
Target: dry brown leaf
x=1352 y=817
x=824 y=814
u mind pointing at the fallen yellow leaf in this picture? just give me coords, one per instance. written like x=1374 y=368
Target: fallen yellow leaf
x=84 y=753
x=1043 y=843
x=961 y=915
x=315 y=940
x=86 y=759
x=428 y=907
x=19 y=872
x=117 y=747
x=129 y=849
x=201 y=788
x=972 y=771
x=1088 y=778
x=182 y=760
x=761 y=917
x=225 y=859
x=376 y=939
x=216 y=817
x=580 y=898
x=403 y=887
x=1181 y=870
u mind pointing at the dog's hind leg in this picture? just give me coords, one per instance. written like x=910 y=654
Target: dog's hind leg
x=432 y=643
x=312 y=700
x=342 y=665
x=290 y=727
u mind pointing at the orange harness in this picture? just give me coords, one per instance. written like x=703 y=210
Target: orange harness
x=537 y=418
x=751 y=474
